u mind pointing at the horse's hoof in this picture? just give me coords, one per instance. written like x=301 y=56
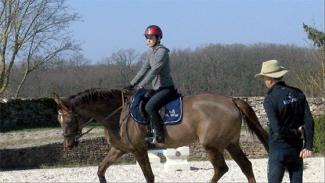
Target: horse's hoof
x=102 y=179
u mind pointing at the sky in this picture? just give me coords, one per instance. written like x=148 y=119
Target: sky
x=107 y=26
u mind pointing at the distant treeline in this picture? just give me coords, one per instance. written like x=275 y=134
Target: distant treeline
x=224 y=69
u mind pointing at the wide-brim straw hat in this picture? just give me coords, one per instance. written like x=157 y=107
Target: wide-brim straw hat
x=272 y=69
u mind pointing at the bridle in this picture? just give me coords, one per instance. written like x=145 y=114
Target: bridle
x=77 y=133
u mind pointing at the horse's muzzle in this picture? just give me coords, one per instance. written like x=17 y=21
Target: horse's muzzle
x=70 y=145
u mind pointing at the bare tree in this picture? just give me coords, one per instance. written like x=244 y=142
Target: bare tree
x=34 y=31
x=124 y=60
x=225 y=69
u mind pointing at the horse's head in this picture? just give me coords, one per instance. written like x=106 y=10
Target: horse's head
x=69 y=122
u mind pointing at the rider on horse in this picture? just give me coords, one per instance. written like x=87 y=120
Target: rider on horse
x=155 y=69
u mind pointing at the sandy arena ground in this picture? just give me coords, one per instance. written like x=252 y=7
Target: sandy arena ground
x=199 y=172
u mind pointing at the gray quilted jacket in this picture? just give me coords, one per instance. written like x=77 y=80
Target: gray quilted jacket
x=156 y=69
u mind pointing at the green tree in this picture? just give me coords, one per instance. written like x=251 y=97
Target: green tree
x=318 y=38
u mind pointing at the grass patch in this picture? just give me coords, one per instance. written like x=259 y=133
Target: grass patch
x=319 y=135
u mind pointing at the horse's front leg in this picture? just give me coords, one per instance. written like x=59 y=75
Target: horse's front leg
x=112 y=155
x=143 y=160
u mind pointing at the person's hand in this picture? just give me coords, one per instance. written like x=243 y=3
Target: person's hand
x=305 y=153
x=129 y=87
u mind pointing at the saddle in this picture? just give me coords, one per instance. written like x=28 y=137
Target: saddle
x=171 y=113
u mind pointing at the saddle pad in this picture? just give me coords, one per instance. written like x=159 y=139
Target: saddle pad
x=172 y=115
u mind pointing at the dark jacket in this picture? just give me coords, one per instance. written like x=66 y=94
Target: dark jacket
x=287 y=109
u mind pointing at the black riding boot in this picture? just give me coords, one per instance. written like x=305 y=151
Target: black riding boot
x=157 y=130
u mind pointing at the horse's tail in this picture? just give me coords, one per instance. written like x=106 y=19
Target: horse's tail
x=252 y=121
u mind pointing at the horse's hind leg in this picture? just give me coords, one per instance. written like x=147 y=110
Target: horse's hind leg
x=112 y=155
x=218 y=161
x=143 y=160
x=245 y=165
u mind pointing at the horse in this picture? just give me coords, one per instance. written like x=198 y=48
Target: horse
x=213 y=120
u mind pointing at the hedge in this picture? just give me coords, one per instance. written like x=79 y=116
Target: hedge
x=319 y=135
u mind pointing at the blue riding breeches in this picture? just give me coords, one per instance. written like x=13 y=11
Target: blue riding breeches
x=161 y=97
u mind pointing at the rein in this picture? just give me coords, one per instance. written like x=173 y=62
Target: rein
x=82 y=134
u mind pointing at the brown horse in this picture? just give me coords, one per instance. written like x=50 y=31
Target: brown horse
x=210 y=119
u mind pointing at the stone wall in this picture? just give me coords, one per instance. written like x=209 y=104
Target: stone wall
x=27 y=113
x=317 y=107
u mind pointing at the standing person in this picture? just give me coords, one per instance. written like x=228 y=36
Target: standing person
x=155 y=69
x=290 y=122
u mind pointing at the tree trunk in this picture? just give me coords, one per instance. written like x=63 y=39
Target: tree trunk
x=22 y=82
x=2 y=73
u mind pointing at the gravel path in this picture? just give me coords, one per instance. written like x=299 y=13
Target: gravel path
x=200 y=172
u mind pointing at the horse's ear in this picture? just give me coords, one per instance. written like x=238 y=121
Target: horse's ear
x=56 y=98
x=59 y=102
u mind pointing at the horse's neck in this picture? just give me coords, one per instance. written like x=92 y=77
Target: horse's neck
x=109 y=116
x=99 y=110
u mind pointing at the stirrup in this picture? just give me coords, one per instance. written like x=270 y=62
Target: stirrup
x=154 y=139
x=151 y=140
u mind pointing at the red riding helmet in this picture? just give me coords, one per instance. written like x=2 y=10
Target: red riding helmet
x=153 y=30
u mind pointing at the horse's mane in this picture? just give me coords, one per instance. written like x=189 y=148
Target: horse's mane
x=93 y=95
